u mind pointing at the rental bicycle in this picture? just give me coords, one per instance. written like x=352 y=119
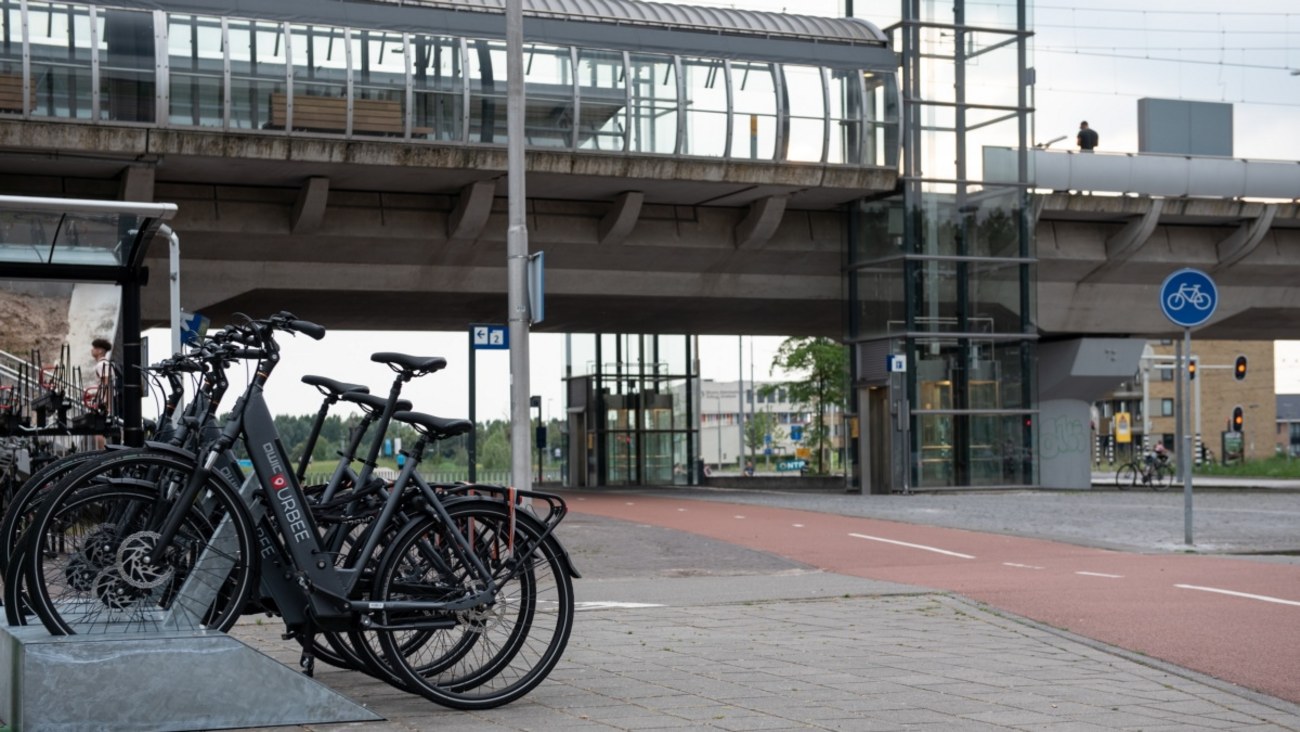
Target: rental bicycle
x=464 y=594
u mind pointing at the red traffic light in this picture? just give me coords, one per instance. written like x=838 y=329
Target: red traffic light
x=1239 y=370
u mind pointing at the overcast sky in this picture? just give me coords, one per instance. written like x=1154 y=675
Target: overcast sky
x=1093 y=61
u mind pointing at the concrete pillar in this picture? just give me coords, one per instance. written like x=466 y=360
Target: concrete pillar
x=1072 y=375
x=473 y=206
x=136 y=183
x=309 y=209
x=621 y=218
x=760 y=222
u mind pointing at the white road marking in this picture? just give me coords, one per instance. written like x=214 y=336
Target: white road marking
x=913 y=546
x=738 y=516
x=612 y=605
x=681 y=509
x=1247 y=595
x=1021 y=566
x=797 y=526
x=628 y=503
x=1100 y=574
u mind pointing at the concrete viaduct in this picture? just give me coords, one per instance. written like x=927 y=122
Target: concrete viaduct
x=363 y=235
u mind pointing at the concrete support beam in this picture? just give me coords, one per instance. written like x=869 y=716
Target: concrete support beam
x=309 y=209
x=1127 y=241
x=621 y=218
x=760 y=223
x=1245 y=239
x=136 y=183
x=473 y=206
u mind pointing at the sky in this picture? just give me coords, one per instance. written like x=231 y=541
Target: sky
x=345 y=356
x=1093 y=61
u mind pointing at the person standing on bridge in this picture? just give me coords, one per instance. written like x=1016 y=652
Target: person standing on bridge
x=1087 y=138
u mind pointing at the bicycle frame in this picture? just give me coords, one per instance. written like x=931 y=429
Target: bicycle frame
x=326 y=587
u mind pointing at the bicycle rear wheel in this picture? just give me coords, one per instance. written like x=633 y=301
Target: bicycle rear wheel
x=1162 y=476
x=491 y=654
x=87 y=568
x=1126 y=477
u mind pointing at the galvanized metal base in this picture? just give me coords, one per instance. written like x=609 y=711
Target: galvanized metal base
x=155 y=682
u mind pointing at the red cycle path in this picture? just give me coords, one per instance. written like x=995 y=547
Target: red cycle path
x=1128 y=600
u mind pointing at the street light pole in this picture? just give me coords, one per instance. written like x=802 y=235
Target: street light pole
x=517 y=247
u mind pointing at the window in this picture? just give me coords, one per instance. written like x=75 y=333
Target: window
x=1167 y=374
x=1166 y=407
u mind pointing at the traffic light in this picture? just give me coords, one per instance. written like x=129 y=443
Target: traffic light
x=1237 y=419
x=1191 y=370
x=1239 y=370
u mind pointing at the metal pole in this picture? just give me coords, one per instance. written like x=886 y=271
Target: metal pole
x=174 y=282
x=1180 y=380
x=471 y=445
x=1186 y=452
x=517 y=248
x=740 y=399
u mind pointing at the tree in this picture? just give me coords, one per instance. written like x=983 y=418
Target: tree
x=824 y=365
x=757 y=427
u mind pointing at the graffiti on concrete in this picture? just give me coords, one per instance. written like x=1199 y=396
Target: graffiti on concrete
x=1063 y=436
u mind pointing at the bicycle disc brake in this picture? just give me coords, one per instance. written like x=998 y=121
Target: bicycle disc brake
x=133 y=562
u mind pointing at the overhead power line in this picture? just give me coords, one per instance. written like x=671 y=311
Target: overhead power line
x=1138 y=57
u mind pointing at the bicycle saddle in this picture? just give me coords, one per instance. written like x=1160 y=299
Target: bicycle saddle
x=417 y=365
x=330 y=387
x=435 y=427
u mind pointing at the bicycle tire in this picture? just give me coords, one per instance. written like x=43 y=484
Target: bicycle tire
x=1162 y=477
x=99 y=523
x=22 y=507
x=493 y=654
x=1126 y=477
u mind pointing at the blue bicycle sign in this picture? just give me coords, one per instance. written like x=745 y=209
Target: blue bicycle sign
x=1188 y=297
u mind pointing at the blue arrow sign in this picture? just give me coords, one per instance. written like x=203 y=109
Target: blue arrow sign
x=1188 y=297
x=489 y=337
x=193 y=328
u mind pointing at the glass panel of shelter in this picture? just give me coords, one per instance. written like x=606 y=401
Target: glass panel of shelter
x=196 y=65
x=805 y=93
x=753 y=117
x=654 y=105
x=61 y=59
x=89 y=63
x=438 y=87
x=378 y=63
x=127 y=67
x=602 y=100
x=705 y=105
x=258 y=74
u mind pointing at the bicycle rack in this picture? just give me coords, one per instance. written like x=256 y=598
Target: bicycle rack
x=167 y=681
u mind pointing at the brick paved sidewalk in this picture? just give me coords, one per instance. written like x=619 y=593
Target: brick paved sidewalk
x=870 y=657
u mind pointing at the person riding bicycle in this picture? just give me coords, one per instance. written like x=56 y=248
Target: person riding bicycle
x=1159 y=454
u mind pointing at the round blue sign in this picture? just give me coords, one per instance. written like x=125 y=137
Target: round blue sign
x=1188 y=297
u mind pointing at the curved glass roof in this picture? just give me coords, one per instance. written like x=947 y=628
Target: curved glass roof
x=725 y=20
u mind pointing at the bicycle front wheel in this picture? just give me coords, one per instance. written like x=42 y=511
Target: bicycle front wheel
x=487 y=655
x=87 y=565
x=1127 y=476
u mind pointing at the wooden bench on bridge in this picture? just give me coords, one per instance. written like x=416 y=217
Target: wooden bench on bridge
x=11 y=93
x=330 y=114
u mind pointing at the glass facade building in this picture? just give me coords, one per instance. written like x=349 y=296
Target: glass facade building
x=93 y=63
x=941 y=274
x=939 y=271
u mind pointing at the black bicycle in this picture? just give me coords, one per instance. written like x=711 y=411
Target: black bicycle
x=462 y=595
x=1150 y=470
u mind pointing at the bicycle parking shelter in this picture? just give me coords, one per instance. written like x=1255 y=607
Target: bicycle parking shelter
x=89 y=241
